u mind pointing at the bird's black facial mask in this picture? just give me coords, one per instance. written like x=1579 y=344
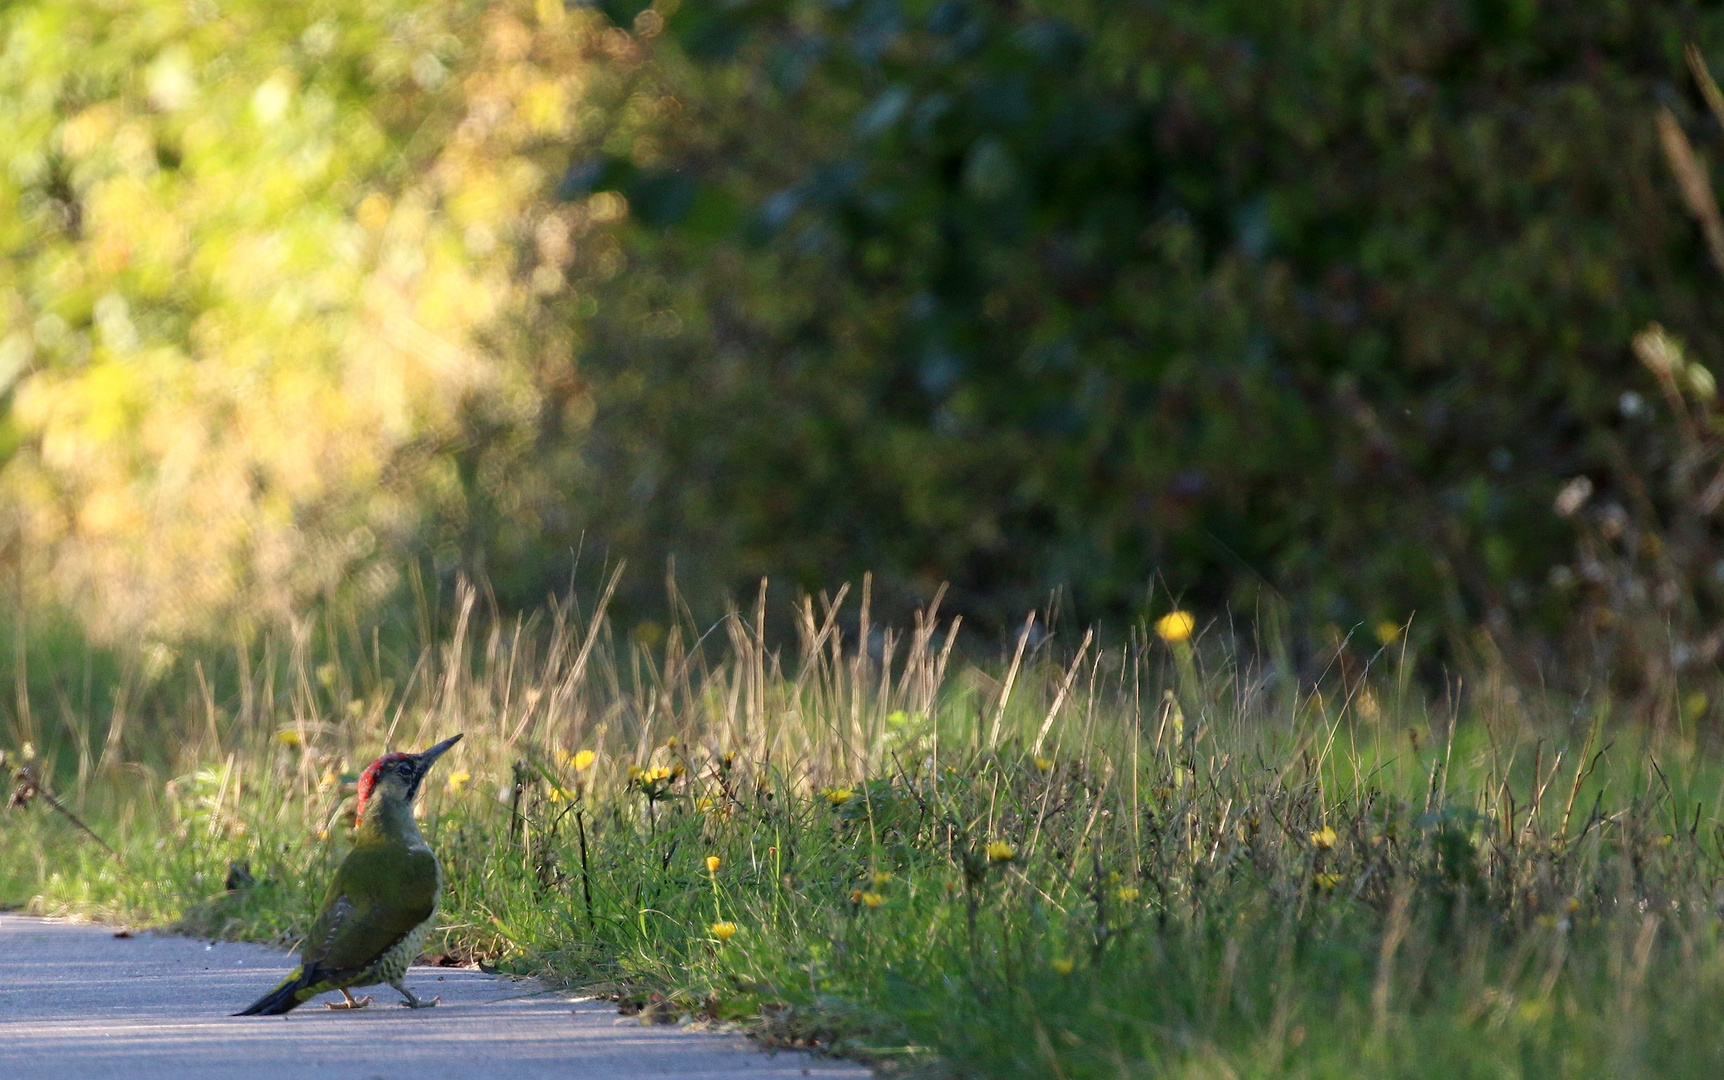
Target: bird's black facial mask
x=411 y=774
x=410 y=769
x=422 y=763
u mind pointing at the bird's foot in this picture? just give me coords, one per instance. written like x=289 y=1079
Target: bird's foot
x=415 y=1002
x=351 y=1002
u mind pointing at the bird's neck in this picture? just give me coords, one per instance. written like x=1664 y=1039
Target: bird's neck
x=389 y=821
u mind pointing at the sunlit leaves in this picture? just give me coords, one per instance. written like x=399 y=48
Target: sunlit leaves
x=256 y=275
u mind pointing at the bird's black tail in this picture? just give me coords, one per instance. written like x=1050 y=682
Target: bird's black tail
x=283 y=998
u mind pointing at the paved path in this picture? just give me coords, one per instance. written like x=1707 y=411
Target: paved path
x=78 y=1004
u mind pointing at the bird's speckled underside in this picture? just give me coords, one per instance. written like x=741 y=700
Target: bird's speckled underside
x=76 y=1002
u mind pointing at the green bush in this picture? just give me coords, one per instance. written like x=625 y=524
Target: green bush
x=1244 y=296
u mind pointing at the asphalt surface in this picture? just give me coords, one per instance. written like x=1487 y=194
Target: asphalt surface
x=77 y=1003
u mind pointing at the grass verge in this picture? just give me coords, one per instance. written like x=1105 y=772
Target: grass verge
x=1147 y=859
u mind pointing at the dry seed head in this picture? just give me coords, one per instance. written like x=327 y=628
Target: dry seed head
x=1661 y=353
x=1701 y=382
x=1573 y=496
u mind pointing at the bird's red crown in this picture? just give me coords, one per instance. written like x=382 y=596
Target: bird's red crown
x=368 y=778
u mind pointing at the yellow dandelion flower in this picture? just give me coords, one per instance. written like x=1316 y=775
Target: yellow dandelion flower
x=1388 y=631
x=1175 y=626
x=458 y=781
x=1127 y=894
x=557 y=794
x=1044 y=763
x=584 y=760
x=1062 y=964
x=1323 y=839
x=724 y=931
x=289 y=738
x=838 y=795
x=881 y=877
x=872 y=899
x=1327 y=881
x=327 y=780
x=1000 y=851
x=322 y=835
x=1573 y=905
x=712 y=863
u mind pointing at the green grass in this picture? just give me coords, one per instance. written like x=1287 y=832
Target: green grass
x=1207 y=870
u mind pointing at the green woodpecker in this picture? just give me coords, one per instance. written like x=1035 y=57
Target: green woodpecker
x=382 y=902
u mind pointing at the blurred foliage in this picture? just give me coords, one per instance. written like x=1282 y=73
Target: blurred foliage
x=1646 y=584
x=261 y=272
x=1318 y=298
x=1275 y=301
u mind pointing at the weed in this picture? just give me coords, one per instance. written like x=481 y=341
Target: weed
x=1154 y=857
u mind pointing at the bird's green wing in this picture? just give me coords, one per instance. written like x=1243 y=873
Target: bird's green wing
x=378 y=896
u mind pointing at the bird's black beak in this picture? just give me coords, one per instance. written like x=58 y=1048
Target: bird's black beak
x=428 y=757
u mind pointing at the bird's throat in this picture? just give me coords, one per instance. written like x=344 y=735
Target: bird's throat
x=389 y=821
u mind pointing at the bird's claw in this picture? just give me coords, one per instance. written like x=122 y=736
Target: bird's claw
x=351 y=1002
x=419 y=1003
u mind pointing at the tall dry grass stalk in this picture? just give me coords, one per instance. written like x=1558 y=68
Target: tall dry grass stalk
x=1162 y=828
